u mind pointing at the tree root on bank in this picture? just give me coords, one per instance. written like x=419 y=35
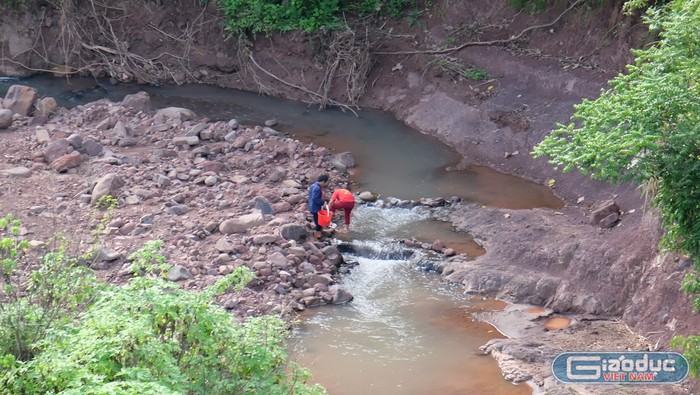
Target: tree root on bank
x=355 y=82
x=483 y=43
x=93 y=39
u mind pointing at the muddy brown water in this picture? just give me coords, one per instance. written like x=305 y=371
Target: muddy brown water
x=405 y=332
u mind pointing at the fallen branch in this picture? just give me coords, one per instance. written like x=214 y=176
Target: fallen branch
x=482 y=43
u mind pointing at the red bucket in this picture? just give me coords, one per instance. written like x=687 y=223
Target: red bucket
x=324 y=216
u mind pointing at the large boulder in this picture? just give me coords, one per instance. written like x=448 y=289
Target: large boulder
x=242 y=223
x=20 y=99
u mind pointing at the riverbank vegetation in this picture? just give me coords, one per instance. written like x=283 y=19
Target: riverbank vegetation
x=646 y=129
x=64 y=331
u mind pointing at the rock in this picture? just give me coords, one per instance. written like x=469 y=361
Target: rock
x=266 y=239
x=339 y=295
x=606 y=208
x=242 y=223
x=178 y=273
x=271 y=122
x=368 y=196
x=5 y=118
x=261 y=203
x=20 y=99
x=107 y=185
x=609 y=221
x=56 y=149
x=46 y=107
x=186 y=140
x=433 y=202
x=20 y=172
x=178 y=209
x=278 y=260
x=66 y=162
x=91 y=148
x=293 y=232
x=223 y=245
x=347 y=159
x=140 y=101
x=174 y=113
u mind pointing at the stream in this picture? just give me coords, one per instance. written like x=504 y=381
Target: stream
x=406 y=332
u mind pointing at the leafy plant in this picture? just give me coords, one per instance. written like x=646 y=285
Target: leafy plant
x=646 y=128
x=36 y=300
x=151 y=337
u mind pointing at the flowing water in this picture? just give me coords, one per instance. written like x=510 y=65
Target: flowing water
x=406 y=332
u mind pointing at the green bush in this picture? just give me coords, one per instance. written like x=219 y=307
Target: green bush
x=146 y=337
x=265 y=16
x=646 y=129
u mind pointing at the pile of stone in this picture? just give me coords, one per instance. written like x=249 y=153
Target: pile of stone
x=220 y=195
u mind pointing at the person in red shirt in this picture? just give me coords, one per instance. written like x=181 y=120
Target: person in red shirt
x=343 y=199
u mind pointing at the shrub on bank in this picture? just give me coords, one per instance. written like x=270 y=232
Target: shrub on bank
x=64 y=332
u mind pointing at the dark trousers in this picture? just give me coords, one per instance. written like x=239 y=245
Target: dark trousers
x=346 y=207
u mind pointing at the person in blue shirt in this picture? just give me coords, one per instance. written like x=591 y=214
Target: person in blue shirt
x=316 y=201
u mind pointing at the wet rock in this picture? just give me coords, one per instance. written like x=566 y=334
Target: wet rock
x=368 y=196
x=346 y=159
x=339 y=295
x=270 y=122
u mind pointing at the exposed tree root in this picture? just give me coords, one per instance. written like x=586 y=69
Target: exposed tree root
x=483 y=43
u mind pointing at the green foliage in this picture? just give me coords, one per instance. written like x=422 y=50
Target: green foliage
x=255 y=16
x=646 y=128
x=532 y=5
x=265 y=16
x=36 y=302
x=147 y=337
x=690 y=346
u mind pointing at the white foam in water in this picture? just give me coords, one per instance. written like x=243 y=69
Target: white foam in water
x=379 y=223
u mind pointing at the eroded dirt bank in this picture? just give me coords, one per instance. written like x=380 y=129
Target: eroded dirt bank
x=556 y=259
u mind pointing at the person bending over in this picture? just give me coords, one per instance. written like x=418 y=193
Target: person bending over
x=342 y=199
